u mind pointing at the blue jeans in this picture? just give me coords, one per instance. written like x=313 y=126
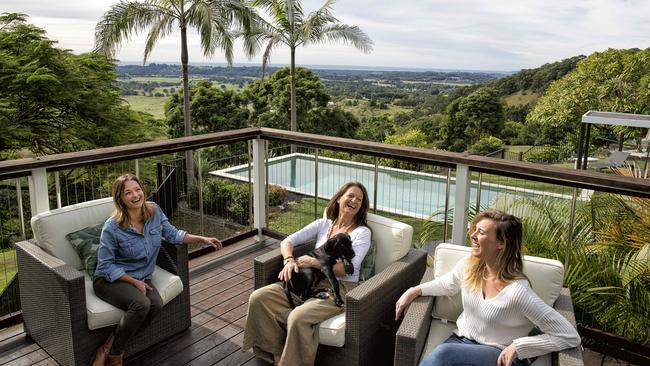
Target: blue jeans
x=461 y=351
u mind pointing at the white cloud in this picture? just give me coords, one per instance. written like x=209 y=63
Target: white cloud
x=452 y=34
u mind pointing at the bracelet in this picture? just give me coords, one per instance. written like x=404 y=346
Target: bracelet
x=287 y=259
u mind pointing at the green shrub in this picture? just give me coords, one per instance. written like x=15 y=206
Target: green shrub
x=277 y=195
x=486 y=145
x=223 y=198
x=548 y=155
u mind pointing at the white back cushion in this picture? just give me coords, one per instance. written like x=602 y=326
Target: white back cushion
x=546 y=277
x=393 y=240
x=50 y=227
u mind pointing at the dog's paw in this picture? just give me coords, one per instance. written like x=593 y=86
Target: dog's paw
x=338 y=302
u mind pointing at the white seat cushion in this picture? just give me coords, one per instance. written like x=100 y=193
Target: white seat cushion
x=332 y=331
x=393 y=240
x=102 y=314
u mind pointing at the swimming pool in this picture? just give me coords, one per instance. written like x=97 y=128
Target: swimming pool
x=399 y=191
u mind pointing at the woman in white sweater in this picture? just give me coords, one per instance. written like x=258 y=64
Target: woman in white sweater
x=499 y=307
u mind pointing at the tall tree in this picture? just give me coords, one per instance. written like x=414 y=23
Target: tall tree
x=290 y=26
x=214 y=20
x=615 y=80
x=53 y=101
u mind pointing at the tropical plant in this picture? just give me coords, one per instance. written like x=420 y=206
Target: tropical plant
x=214 y=19
x=291 y=27
x=608 y=269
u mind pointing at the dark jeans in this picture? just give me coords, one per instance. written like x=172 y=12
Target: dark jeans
x=139 y=309
x=457 y=351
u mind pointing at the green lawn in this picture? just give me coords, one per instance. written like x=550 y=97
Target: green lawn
x=153 y=105
x=8 y=267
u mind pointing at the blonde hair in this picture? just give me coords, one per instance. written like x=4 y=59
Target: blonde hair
x=360 y=219
x=121 y=214
x=510 y=263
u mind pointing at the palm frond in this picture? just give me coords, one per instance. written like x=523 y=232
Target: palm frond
x=352 y=35
x=160 y=29
x=266 y=58
x=213 y=20
x=120 y=22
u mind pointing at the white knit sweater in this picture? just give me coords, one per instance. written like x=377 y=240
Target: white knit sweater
x=506 y=318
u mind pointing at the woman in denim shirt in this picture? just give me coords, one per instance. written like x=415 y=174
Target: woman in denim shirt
x=126 y=258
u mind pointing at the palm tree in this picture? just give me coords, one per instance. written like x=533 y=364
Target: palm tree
x=213 y=19
x=290 y=27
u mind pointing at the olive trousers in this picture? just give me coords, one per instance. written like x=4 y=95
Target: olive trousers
x=274 y=328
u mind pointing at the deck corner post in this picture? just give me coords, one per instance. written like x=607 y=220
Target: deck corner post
x=461 y=204
x=259 y=185
x=38 y=191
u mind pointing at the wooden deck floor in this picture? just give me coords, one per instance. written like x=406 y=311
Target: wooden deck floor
x=219 y=296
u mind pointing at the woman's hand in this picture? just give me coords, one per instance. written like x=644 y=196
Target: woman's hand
x=290 y=266
x=216 y=243
x=141 y=286
x=405 y=300
x=307 y=261
x=508 y=355
x=197 y=239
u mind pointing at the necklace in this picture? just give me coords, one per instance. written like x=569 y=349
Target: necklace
x=344 y=229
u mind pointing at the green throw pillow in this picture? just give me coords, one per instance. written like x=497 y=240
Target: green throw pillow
x=368 y=264
x=86 y=243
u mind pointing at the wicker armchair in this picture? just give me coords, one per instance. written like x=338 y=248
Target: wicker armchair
x=369 y=308
x=53 y=297
x=422 y=328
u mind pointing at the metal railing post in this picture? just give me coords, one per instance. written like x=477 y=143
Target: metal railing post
x=259 y=185
x=266 y=181
x=316 y=184
x=569 y=241
x=461 y=204
x=374 y=196
x=19 y=198
x=137 y=168
x=447 y=193
x=38 y=191
x=57 y=187
x=478 y=192
x=250 y=180
x=200 y=188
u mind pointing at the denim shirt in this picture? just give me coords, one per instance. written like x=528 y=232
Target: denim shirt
x=126 y=251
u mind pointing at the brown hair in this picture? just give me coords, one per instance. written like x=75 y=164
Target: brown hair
x=510 y=264
x=121 y=214
x=333 y=206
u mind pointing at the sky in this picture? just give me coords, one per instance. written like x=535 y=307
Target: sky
x=498 y=35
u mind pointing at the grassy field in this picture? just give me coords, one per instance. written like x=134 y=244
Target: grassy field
x=153 y=105
x=8 y=267
x=521 y=98
x=363 y=109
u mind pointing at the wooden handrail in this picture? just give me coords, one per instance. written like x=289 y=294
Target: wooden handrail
x=518 y=169
x=21 y=167
x=587 y=179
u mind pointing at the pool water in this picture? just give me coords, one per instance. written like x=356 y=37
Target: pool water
x=398 y=191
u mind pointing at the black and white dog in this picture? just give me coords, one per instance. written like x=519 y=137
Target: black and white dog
x=304 y=282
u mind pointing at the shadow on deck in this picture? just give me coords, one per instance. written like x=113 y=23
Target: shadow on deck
x=220 y=284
